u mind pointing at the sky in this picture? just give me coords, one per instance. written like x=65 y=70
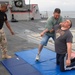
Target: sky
x=50 y=5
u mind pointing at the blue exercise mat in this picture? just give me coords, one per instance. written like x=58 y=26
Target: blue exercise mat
x=17 y=66
x=46 y=65
x=29 y=55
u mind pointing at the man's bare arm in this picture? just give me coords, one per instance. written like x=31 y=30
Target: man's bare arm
x=69 y=50
x=42 y=33
x=8 y=26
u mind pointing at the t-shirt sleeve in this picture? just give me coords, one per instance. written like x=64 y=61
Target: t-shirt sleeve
x=69 y=37
x=61 y=19
x=49 y=24
x=5 y=17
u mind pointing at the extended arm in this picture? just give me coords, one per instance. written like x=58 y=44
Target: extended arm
x=42 y=33
x=8 y=26
x=69 y=50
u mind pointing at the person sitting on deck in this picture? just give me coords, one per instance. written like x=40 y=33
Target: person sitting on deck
x=63 y=46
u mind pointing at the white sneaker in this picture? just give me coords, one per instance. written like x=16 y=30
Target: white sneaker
x=37 y=57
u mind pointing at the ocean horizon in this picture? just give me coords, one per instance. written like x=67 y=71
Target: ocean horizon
x=65 y=14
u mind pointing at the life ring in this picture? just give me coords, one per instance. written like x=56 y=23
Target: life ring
x=18 y=3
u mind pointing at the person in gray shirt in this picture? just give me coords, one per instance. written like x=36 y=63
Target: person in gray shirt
x=63 y=46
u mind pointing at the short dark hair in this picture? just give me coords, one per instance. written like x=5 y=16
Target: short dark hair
x=57 y=10
x=70 y=24
x=3 y=5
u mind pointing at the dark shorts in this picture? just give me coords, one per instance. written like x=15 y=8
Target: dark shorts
x=61 y=61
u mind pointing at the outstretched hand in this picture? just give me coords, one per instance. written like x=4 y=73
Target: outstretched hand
x=42 y=34
x=12 y=32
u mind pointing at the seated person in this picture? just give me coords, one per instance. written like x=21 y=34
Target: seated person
x=63 y=46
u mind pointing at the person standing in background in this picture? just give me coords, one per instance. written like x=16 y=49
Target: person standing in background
x=3 y=40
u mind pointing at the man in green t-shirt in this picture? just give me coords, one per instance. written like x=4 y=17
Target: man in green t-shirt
x=54 y=20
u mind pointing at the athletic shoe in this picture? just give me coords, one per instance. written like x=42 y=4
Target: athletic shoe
x=37 y=57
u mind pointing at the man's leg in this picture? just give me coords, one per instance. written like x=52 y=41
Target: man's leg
x=4 y=46
x=43 y=43
x=40 y=49
x=61 y=64
x=57 y=58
